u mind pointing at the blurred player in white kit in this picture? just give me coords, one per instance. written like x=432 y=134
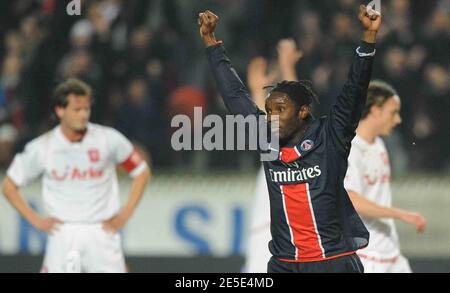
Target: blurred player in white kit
x=258 y=254
x=77 y=163
x=368 y=183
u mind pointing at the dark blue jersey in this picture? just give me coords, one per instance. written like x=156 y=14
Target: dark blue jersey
x=312 y=217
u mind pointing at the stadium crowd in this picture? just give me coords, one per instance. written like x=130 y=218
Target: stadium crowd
x=146 y=64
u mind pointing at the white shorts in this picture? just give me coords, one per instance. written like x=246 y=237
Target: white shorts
x=378 y=266
x=83 y=248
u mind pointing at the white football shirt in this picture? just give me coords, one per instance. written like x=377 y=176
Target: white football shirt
x=79 y=180
x=369 y=174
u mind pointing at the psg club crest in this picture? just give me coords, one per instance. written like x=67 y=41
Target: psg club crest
x=94 y=155
x=307 y=145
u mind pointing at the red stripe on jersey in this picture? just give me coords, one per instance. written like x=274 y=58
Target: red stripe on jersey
x=302 y=222
x=132 y=162
x=288 y=155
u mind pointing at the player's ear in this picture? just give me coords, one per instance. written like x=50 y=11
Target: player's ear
x=375 y=110
x=59 y=111
x=305 y=112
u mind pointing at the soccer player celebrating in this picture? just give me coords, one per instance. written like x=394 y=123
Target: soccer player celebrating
x=77 y=163
x=368 y=182
x=314 y=226
x=258 y=253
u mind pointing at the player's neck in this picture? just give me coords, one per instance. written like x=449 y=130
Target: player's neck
x=366 y=132
x=73 y=135
x=297 y=136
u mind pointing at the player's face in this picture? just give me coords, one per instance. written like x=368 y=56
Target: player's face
x=279 y=104
x=389 y=116
x=77 y=113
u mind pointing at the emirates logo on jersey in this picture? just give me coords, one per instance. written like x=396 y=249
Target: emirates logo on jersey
x=295 y=175
x=94 y=155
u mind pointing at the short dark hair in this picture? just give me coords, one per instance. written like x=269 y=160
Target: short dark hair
x=300 y=92
x=71 y=86
x=378 y=93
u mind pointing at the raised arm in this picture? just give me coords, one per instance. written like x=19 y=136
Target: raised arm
x=233 y=91
x=258 y=76
x=288 y=57
x=347 y=110
x=258 y=79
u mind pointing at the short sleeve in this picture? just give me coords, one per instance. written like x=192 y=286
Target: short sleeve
x=120 y=147
x=124 y=154
x=28 y=165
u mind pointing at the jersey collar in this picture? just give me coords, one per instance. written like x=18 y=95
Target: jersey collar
x=305 y=146
x=66 y=140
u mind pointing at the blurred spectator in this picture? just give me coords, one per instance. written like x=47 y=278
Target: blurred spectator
x=139 y=117
x=431 y=121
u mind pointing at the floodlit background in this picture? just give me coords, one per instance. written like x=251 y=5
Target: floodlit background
x=146 y=63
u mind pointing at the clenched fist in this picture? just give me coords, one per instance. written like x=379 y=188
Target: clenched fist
x=371 y=24
x=207 y=22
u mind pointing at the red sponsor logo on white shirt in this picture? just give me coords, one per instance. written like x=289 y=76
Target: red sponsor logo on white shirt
x=77 y=174
x=385 y=178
